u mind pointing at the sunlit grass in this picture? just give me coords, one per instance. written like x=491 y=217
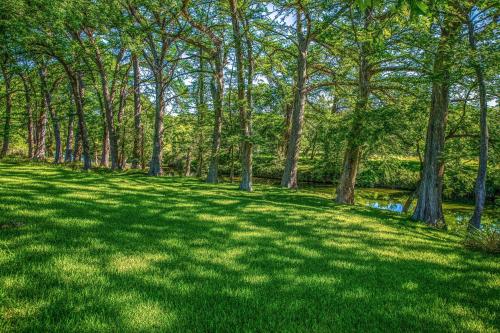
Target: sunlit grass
x=125 y=252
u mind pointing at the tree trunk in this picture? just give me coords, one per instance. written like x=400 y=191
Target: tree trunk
x=245 y=125
x=136 y=152
x=70 y=132
x=480 y=188
x=79 y=92
x=29 y=115
x=429 y=203
x=217 y=90
x=108 y=107
x=187 y=167
x=155 y=168
x=41 y=132
x=121 y=128
x=289 y=178
x=8 y=109
x=352 y=155
x=53 y=115
x=201 y=115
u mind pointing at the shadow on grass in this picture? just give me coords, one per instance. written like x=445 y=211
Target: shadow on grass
x=126 y=253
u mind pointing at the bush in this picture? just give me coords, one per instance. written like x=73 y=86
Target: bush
x=486 y=239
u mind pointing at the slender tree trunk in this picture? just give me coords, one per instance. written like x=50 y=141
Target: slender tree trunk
x=289 y=178
x=79 y=93
x=480 y=188
x=155 y=167
x=245 y=126
x=68 y=152
x=110 y=122
x=29 y=115
x=41 y=132
x=136 y=152
x=201 y=115
x=287 y=127
x=217 y=90
x=53 y=115
x=352 y=155
x=121 y=128
x=429 y=203
x=187 y=166
x=8 y=109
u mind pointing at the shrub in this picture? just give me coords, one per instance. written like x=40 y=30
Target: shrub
x=486 y=239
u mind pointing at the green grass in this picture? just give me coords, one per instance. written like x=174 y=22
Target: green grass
x=128 y=253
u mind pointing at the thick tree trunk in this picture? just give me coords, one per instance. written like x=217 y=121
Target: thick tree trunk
x=8 y=110
x=480 y=188
x=155 y=165
x=136 y=151
x=53 y=115
x=289 y=178
x=345 y=189
x=29 y=115
x=429 y=203
x=70 y=131
x=217 y=90
x=245 y=122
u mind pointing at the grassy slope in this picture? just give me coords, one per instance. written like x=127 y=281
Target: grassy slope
x=131 y=253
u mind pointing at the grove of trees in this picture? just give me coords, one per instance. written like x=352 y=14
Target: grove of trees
x=245 y=88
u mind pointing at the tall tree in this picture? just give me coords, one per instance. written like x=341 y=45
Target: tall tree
x=303 y=31
x=429 y=205
x=243 y=107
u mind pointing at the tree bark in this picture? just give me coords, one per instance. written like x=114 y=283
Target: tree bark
x=78 y=94
x=245 y=125
x=136 y=151
x=201 y=115
x=155 y=167
x=217 y=90
x=29 y=115
x=8 y=109
x=289 y=178
x=47 y=97
x=480 y=187
x=429 y=203
x=41 y=132
x=70 y=131
x=352 y=155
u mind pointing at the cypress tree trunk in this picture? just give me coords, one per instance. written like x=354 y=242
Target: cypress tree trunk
x=8 y=109
x=41 y=132
x=201 y=114
x=480 y=188
x=289 y=178
x=68 y=152
x=155 y=167
x=53 y=115
x=187 y=166
x=29 y=115
x=136 y=151
x=352 y=155
x=246 y=145
x=429 y=205
x=87 y=162
x=217 y=90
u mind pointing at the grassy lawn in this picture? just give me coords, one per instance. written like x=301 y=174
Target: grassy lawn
x=124 y=252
